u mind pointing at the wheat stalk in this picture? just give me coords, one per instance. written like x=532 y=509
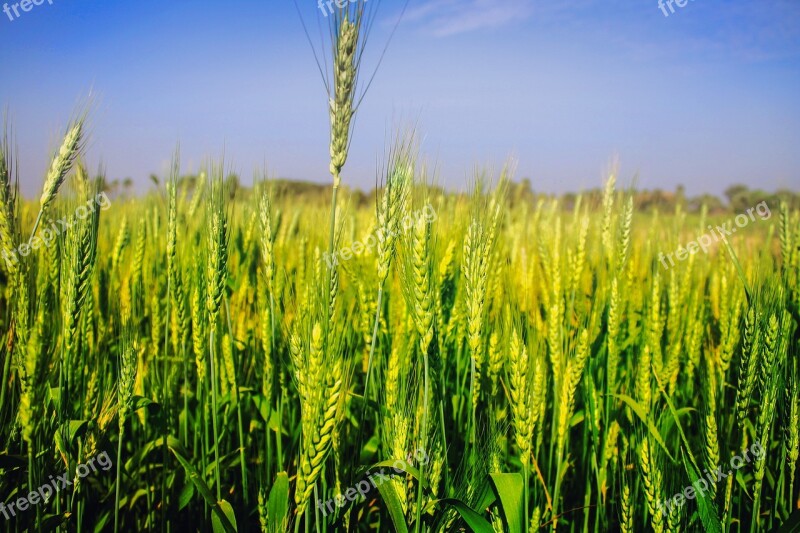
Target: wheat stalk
x=216 y=274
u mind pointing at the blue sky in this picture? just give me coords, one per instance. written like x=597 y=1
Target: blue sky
x=705 y=97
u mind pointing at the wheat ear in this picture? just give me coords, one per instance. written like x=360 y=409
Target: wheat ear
x=7 y=218
x=62 y=162
x=319 y=413
x=792 y=429
x=652 y=478
x=345 y=63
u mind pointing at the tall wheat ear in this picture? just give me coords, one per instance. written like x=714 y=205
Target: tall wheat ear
x=62 y=163
x=345 y=63
x=7 y=208
x=71 y=148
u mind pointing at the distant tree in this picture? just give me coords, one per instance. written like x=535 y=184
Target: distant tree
x=785 y=195
x=738 y=197
x=663 y=201
x=713 y=203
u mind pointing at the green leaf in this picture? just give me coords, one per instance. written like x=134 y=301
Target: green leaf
x=359 y=400
x=393 y=505
x=140 y=493
x=278 y=506
x=105 y=519
x=186 y=495
x=474 y=520
x=405 y=468
x=217 y=518
x=742 y=482
x=487 y=498
x=137 y=460
x=640 y=412
x=53 y=395
x=265 y=411
x=510 y=491
x=577 y=418
x=705 y=505
x=370 y=449
x=137 y=402
x=191 y=473
x=64 y=440
x=262 y=406
x=220 y=513
x=676 y=418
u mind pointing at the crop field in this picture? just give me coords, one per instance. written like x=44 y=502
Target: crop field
x=211 y=357
x=461 y=361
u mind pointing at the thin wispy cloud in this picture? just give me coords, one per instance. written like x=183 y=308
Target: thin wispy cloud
x=443 y=18
x=745 y=32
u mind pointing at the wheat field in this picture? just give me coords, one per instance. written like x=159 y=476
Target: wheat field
x=209 y=357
